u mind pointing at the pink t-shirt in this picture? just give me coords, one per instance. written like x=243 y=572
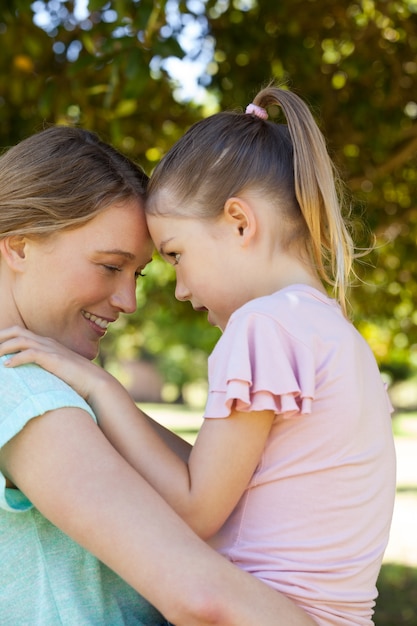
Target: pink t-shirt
x=314 y=521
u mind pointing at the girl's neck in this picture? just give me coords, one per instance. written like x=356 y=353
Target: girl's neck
x=285 y=271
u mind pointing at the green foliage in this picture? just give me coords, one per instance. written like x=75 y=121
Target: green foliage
x=397 y=601
x=356 y=65
x=94 y=72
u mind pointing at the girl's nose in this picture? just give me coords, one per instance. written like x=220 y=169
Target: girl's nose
x=181 y=292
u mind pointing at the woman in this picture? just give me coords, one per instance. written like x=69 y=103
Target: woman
x=81 y=533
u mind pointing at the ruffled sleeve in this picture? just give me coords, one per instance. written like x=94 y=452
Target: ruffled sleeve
x=257 y=365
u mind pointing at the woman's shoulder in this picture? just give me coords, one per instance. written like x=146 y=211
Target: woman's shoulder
x=28 y=391
x=27 y=379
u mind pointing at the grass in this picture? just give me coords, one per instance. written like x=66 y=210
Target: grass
x=397 y=583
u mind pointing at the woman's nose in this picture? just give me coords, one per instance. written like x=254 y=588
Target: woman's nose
x=124 y=298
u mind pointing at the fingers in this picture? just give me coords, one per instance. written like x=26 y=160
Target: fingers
x=20 y=358
x=19 y=344
x=22 y=346
x=21 y=350
x=17 y=331
x=16 y=338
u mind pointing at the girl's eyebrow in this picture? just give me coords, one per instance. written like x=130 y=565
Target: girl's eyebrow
x=163 y=244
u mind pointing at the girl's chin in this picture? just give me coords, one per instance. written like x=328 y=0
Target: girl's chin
x=213 y=321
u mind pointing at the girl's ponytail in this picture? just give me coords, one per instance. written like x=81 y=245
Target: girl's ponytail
x=317 y=189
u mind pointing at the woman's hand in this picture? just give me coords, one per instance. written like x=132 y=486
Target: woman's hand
x=23 y=347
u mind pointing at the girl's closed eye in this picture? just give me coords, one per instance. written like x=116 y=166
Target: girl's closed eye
x=175 y=256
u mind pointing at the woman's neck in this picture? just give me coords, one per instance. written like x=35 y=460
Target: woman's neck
x=9 y=315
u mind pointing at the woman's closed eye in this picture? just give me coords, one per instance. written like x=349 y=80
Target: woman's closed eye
x=115 y=268
x=112 y=268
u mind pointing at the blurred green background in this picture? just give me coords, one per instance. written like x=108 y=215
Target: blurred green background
x=140 y=72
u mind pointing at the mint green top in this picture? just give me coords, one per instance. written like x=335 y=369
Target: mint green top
x=46 y=579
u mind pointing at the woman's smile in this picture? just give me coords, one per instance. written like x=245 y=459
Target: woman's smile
x=96 y=320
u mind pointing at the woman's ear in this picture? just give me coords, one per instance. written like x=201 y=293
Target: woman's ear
x=238 y=212
x=13 y=251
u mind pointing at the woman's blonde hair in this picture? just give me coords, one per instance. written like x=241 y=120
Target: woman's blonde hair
x=60 y=178
x=227 y=153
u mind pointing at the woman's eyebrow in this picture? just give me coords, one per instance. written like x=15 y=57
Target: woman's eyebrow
x=124 y=253
x=127 y=255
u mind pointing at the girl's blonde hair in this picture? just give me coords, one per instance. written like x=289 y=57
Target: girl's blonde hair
x=227 y=153
x=60 y=178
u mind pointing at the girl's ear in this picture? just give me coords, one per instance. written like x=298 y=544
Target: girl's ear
x=238 y=212
x=13 y=251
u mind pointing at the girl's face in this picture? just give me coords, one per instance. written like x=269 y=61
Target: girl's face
x=209 y=270
x=75 y=282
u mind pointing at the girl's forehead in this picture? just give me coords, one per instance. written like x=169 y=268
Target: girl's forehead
x=162 y=200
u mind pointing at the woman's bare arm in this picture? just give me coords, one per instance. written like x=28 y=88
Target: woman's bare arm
x=72 y=474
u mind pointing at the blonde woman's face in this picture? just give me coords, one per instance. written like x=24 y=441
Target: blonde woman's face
x=77 y=282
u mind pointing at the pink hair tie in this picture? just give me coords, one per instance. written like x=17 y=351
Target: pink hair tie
x=253 y=109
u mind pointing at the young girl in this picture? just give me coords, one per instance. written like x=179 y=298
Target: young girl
x=81 y=533
x=292 y=476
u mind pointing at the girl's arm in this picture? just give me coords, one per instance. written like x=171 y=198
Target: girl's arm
x=71 y=473
x=204 y=490
x=78 y=372
x=176 y=444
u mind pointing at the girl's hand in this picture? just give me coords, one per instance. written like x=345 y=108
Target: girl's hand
x=23 y=346
x=106 y=396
